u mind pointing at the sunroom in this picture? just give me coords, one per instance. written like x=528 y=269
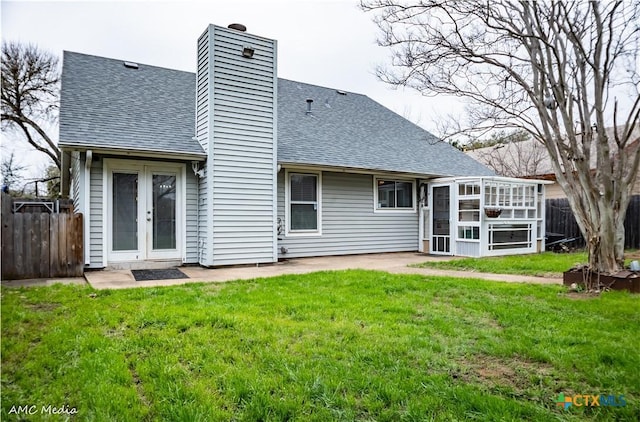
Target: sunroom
x=482 y=216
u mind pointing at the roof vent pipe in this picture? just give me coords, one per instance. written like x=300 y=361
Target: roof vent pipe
x=238 y=27
x=309 y=101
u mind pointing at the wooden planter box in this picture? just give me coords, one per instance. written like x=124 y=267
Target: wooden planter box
x=624 y=280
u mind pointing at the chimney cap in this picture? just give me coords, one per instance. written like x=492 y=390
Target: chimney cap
x=238 y=27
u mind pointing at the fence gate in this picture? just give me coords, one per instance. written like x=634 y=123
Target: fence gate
x=40 y=244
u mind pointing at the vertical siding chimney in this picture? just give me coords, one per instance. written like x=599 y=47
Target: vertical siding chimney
x=236 y=124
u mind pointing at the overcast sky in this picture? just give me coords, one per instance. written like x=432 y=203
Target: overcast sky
x=323 y=42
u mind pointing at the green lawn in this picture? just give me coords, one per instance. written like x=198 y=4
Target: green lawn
x=347 y=345
x=541 y=264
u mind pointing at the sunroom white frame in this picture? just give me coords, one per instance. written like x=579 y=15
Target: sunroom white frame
x=473 y=232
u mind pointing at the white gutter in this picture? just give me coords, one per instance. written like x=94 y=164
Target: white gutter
x=135 y=153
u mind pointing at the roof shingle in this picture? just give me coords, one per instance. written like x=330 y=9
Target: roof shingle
x=104 y=104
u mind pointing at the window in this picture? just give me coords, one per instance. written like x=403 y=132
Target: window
x=468 y=189
x=394 y=194
x=515 y=200
x=304 y=203
x=529 y=196
x=510 y=236
x=469 y=232
x=469 y=210
x=504 y=195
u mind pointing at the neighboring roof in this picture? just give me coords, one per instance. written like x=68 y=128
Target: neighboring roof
x=515 y=159
x=530 y=158
x=106 y=105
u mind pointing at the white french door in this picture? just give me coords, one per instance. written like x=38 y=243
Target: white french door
x=144 y=208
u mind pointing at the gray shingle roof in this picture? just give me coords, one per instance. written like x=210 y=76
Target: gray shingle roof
x=104 y=104
x=352 y=130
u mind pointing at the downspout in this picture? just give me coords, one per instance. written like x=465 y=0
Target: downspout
x=87 y=205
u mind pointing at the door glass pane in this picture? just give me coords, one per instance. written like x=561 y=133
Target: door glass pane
x=441 y=216
x=164 y=211
x=125 y=212
x=441 y=210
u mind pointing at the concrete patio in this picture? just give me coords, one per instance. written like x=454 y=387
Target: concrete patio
x=391 y=262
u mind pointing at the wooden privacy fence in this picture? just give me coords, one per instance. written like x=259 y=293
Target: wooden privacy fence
x=560 y=219
x=40 y=244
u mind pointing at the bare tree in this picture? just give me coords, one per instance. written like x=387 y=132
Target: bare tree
x=30 y=87
x=552 y=68
x=12 y=173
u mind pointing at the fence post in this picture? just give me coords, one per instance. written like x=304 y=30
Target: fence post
x=8 y=245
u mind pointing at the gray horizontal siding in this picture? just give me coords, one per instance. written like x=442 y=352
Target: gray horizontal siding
x=349 y=223
x=241 y=148
x=203 y=92
x=191 y=235
x=96 y=204
x=204 y=109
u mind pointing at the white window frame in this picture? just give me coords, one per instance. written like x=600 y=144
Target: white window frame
x=476 y=190
x=530 y=243
x=287 y=200
x=377 y=209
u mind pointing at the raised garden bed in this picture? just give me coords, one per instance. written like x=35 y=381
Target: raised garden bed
x=623 y=280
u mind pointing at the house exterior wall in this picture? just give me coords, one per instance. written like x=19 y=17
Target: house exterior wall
x=554 y=191
x=204 y=110
x=76 y=182
x=96 y=221
x=349 y=223
x=236 y=125
x=191 y=213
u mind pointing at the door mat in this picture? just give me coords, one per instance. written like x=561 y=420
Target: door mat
x=166 y=274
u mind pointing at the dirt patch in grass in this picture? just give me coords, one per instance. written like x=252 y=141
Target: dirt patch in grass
x=213 y=289
x=581 y=295
x=489 y=322
x=516 y=373
x=43 y=306
x=632 y=254
x=137 y=382
x=115 y=332
x=475 y=319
